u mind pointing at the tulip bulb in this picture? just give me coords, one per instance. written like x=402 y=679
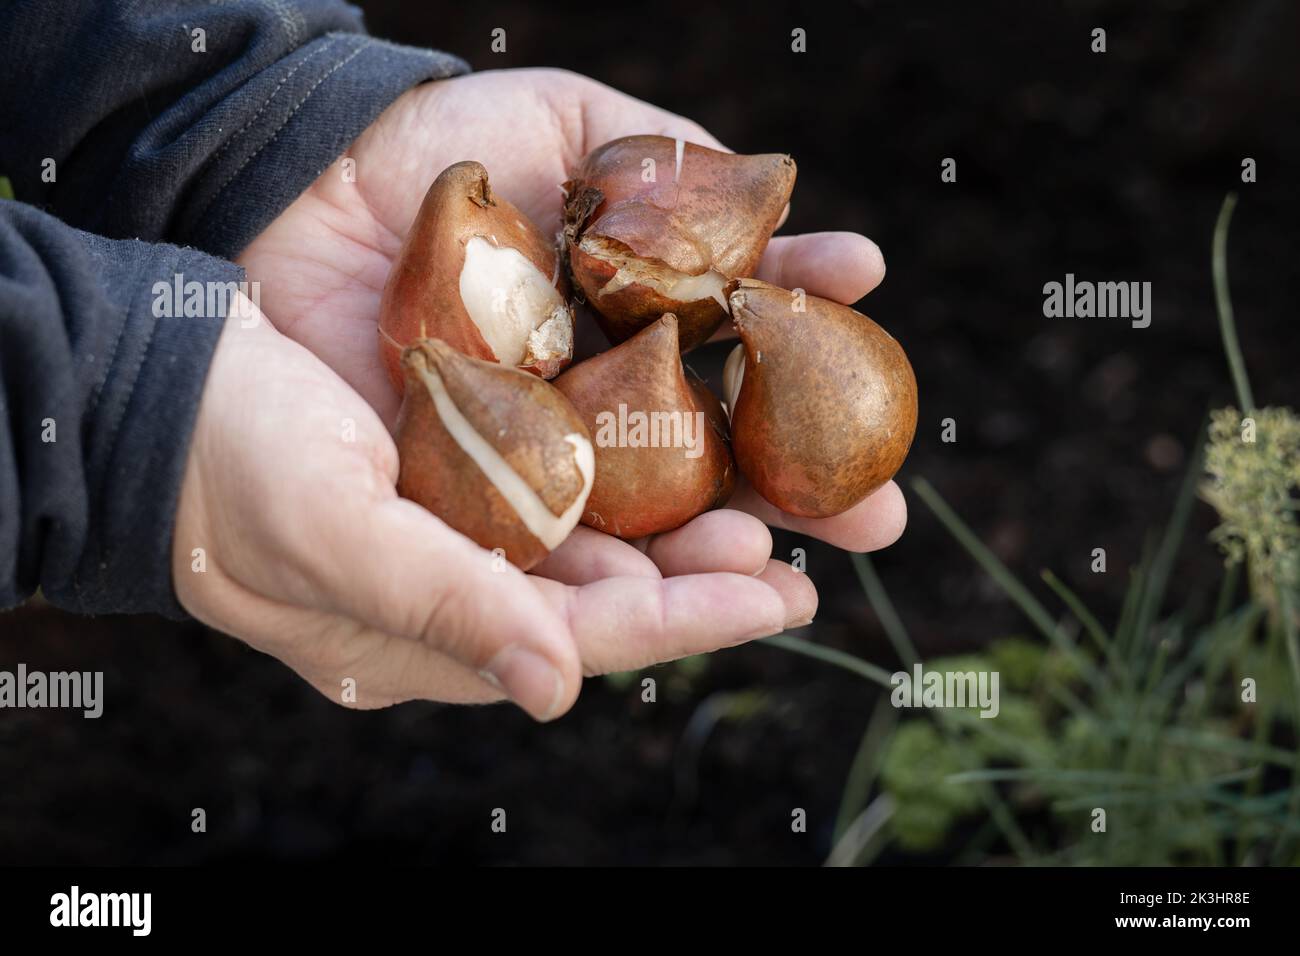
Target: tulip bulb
x=822 y=401
x=655 y=225
x=476 y=273
x=662 y=454
x=495 y=452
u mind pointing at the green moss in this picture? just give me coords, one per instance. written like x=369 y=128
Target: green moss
x=915 y=771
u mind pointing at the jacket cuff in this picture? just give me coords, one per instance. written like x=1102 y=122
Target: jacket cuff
x=142 y=426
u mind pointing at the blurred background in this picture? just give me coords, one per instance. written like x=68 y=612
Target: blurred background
x=1072 y=434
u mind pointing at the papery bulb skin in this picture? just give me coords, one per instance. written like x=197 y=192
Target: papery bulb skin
x=656 y=225
x=495 y=452
x=476 y=273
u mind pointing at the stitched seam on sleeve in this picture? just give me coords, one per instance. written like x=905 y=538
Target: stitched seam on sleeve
x=289 y=19
x=275 y=92
x=132 y=380
x=117 y=342
x=107 y=367
x=270 y=139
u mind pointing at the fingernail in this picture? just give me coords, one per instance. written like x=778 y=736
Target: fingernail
x=529 y=679
x=802 y=623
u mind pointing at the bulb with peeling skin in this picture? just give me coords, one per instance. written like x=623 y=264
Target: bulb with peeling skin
x=822 y=401
x=496 y=453
x=656 y=225
x=476 y=273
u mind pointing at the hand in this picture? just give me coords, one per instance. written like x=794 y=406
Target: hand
x=324 y=261
x=289 y=534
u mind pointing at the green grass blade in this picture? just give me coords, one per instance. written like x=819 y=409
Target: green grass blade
x=1019 y=594
x=1070 y=701
x=1162 y=565
x=830 y=655
x=866 y=765
x=1080 y=611
x=1291 y=634
x=1050 y=775
x=1227 y=591
x=1206 y=641
x=866 y=835
x=1129 y=649
x=1005 y=820
x=1223 y=300
x=1216 y=743
x=884 y=608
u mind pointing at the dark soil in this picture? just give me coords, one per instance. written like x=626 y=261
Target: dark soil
x=1071 y=435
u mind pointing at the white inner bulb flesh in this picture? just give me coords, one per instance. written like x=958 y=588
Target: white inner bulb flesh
x=733 y=377
x=629 y=270
x=541 y=522
x=517 y=309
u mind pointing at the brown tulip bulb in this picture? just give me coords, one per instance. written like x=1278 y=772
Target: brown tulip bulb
x=496 y=453
x=822 y=400
x=662 y=455
x=476 y=273
x=655 y=225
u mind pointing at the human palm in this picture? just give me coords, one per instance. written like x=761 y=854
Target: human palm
x=323 y=263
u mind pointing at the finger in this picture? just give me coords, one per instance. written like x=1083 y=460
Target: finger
x=418 y=579
x=384 y=670
x=347 y=662
x=842 y=266
x=588 y=555
x=624 y=115
x=626 y=623
x=679 y=127
x=796 y=590
x=724 y=540
x=785 y=214
x=870 y=525
x=426 y=674
x=609 y=114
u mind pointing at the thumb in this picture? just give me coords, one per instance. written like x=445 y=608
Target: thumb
x=406 y=573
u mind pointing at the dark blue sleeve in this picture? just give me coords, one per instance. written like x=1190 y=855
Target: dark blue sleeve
x=171 y=121
x=187 y=121
x=98 y=393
